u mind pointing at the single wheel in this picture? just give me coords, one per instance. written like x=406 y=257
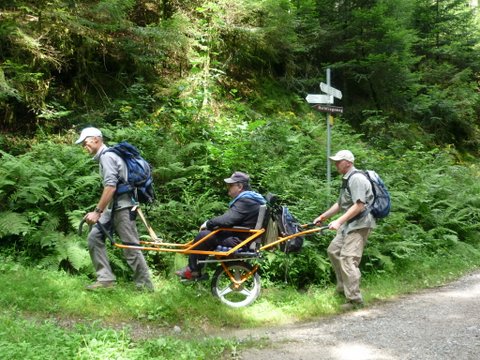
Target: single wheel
x=231 y=290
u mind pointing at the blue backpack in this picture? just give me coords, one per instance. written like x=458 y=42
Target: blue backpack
x=380 y=207
x=140 y=181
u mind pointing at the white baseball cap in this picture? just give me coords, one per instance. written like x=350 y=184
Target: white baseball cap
x=87 y=132
x=343 y=155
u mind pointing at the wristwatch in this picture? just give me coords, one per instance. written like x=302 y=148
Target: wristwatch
x=98 y=210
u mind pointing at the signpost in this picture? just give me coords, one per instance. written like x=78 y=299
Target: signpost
x=328 y=108
x=319 y=99
x=323 y=103
x=330 y=90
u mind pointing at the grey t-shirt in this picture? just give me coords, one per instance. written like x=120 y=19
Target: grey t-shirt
x=360 y=190
x=113 y=171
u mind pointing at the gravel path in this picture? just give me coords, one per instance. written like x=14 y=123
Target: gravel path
x=436 y=324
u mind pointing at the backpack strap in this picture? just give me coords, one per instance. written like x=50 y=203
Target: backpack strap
x=123 y=186
x=345 y=185
x=345 y=182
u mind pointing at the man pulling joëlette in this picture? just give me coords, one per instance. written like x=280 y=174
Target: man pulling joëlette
x=353 y=228
x=113 y=171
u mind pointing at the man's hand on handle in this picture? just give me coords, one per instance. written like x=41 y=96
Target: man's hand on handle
x=319 y=220
x=334 y=225
x=92 y=217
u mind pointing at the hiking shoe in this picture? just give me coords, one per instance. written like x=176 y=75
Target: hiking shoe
x=100 y=285
x=187 y=274
x=352 y=305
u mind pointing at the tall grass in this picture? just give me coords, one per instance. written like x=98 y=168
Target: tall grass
x=31 y=339
x=47 y=314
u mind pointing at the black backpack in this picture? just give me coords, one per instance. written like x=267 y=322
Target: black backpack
x=286 y=224
x=381 y=205
x=140 y=181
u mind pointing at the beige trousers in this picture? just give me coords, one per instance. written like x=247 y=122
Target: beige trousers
x=345 y=253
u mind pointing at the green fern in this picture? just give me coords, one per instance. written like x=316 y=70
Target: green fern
x=375 y=259
x=12 y=223
x=70 y=249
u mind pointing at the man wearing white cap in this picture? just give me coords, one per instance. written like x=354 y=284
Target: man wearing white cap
x=353 y=228
x=113 y=171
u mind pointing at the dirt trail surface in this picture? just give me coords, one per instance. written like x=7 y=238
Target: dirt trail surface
x=440 y=323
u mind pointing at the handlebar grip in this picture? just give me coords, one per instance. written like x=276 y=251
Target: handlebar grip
x=80 y=227
x=309 y=225
x=100 y=226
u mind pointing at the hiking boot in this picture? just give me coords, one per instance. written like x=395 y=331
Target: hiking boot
x=100 y=285
x=187 y=274
x=352 y=305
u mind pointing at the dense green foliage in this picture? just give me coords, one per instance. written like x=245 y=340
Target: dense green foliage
x=204 y=88
x=408 y=67
x=436 y=202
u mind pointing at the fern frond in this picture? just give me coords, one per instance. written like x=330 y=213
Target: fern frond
x=12 y=223
x=75 y=217
x=48 y=238
x=77 y=255
x=49 y=262
x=86 y=182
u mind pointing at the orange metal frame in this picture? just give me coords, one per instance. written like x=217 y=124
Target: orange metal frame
x=189 y=248
x=221 y=256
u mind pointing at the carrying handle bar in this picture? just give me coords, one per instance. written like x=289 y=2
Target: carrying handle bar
x=101 y=227
x=314 y=225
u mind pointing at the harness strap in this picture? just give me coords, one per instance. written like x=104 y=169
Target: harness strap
x=345 y=185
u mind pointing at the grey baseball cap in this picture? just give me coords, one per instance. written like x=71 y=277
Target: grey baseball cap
x=237 y=177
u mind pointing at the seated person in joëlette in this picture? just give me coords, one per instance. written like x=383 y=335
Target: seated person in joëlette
x=242 y=211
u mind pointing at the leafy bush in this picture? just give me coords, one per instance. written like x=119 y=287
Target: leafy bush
x=41 y=193
x=46 y=191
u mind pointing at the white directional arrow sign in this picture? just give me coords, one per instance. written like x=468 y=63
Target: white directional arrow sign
x=330 y=90
x=319 y=99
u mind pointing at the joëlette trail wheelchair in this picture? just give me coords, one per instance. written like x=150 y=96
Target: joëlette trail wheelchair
x=236 y=281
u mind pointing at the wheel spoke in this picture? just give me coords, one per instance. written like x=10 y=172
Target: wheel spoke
x=225 y=291
x=245 y=292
